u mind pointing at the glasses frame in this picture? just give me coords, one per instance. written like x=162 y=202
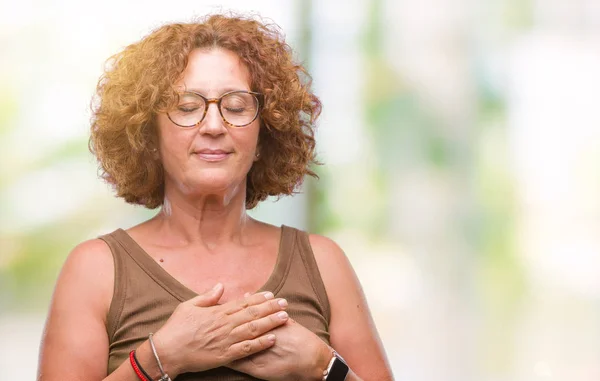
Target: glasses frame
x=217 y=101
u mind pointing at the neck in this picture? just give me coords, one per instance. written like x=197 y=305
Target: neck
x=210 y=219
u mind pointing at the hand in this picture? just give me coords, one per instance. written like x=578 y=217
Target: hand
x=298 y=355
x=202 y=335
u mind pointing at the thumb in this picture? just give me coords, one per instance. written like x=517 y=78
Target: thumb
x=210 y=297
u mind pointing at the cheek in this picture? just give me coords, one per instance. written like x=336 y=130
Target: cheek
x=246 y=141
x=174 y=144
x=171 y=152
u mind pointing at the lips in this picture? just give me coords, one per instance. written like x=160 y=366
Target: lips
x=212 y=154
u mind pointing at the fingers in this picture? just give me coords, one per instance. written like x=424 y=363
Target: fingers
x=258 y=311
x=250 y=347
x=208 y=298
x=255 y=328
x=240 y=304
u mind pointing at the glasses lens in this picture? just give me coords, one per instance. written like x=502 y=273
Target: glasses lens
x=239 y=108
x=189 y=110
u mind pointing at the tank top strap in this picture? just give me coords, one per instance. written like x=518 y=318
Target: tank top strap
x=305 y=251
x=283 y=263
x=120 y=283
x=288 y=238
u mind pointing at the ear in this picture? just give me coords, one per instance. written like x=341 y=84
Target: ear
x=258 y=149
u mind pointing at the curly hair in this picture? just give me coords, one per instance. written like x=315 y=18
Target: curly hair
x=139 y=82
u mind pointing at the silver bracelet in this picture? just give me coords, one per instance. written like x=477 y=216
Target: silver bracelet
x=164 y=376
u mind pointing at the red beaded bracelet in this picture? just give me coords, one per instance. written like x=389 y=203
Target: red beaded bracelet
x=136 y=368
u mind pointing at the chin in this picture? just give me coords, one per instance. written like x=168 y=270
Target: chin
x=211 y=181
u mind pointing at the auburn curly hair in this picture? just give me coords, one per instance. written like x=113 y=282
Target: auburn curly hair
x=139 y=82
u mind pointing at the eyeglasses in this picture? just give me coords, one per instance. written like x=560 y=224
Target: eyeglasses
x=237 y=108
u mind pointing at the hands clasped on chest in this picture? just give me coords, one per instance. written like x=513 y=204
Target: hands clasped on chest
x=253 y=335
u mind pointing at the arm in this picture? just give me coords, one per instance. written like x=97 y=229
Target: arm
x=75 y=344
x=352 y=331
x=199 y=335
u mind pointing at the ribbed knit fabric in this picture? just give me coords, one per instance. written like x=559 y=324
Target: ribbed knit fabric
x=145 y=296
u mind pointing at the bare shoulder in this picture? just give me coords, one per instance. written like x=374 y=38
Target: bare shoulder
x=324 y=244
x=328 y=254
x=326 y=247
x=88 y=271
x=91 y=250
x=336 y=271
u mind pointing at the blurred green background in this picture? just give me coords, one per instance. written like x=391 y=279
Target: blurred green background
x=461 y=144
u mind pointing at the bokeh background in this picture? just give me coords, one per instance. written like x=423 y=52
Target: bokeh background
x=462 y=177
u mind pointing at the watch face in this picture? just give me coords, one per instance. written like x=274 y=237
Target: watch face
x=338 y=371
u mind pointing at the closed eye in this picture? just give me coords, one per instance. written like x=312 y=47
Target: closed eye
x=235 y=110
x=188 y=107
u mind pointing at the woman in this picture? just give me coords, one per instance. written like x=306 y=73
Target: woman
x=206 y=120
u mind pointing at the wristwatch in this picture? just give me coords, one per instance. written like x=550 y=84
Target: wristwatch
x=337 y=370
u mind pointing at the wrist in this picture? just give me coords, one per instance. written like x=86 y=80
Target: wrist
x=337 y=369
x=148 y=362
x=321 y=361
x=164 y=359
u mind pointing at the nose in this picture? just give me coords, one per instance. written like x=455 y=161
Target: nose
x=213 y=123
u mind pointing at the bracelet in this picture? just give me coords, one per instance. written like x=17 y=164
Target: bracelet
x=164 y=376
x=142 y=375
x=140 y=367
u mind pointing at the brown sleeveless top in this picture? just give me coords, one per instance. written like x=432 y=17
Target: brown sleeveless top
x=145 y=295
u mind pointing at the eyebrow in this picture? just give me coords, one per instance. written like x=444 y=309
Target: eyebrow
x=223 y=90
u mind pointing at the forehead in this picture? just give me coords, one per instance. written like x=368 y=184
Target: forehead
x=215 y=71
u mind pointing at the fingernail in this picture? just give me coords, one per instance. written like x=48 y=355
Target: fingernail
x=271 y=338
x=282 y=315
x=217 y=287
x=282 y=303
x=269 y=295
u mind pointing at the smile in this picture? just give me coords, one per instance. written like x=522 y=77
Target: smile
x=212 y=155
